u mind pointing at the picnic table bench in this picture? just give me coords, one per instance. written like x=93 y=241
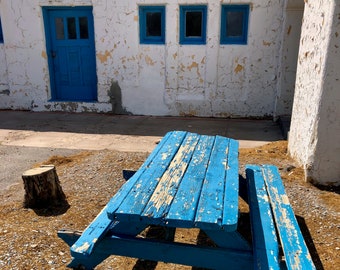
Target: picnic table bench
x=192 y=181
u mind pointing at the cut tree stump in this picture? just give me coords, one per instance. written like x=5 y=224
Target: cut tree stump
x=42 y=188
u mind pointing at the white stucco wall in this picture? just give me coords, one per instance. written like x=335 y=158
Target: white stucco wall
x=4 y=88
x=25 y=58
x=287 y=67
x=315 y=129
x=171 y=79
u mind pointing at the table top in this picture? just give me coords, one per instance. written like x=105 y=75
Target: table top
x=188 y=181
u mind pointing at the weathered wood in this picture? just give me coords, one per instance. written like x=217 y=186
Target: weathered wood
x=187 y=254
x=265 y=242
x=103 y=222
x=188 y=165
x=293 y=244
x=182 y=209
x=269 y=205
x=218 y=205
x=167 y=190
x=134 y=203
x=42 y=188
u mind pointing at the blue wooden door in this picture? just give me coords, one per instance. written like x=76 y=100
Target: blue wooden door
x=71 y=53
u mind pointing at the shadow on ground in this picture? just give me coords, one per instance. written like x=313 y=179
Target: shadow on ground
x=91 y=123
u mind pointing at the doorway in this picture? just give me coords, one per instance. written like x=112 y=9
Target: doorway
x=71 y=53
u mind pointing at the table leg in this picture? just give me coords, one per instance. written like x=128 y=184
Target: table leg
x=229 y=239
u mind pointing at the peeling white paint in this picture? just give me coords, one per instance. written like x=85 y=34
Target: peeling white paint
x=83 y=248
x=171 y=79
x=314 y=139
x=289 y=53
x=4 y=87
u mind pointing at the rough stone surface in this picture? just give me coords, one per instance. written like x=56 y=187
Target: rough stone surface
x=314 y=138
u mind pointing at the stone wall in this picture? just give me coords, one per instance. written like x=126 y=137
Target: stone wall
x=314 y=138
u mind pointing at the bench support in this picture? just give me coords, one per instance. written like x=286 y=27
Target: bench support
x=215 y=258
x=233 y=240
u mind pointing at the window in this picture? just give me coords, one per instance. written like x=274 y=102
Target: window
x=234 y=24
x=193 y=21
x=1 y=36
x=77 y=28
x=152 y=24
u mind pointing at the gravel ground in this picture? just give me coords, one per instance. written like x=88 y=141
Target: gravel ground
x=15 y=160
x=28 y=238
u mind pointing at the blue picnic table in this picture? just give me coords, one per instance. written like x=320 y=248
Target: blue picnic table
x=191 y=181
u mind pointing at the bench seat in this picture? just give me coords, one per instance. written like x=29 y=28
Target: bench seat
x=272 y=216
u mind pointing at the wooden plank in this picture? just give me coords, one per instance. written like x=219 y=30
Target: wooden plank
x=294 y=247
x=207 y=257
x=94 y=232
x=265 y=243
x=183 y=209
x=101 y=224
x=140 y=193
x=167 y=186
x=210 y=207
x=117 y=199
x=230 y=210
x=98 y=228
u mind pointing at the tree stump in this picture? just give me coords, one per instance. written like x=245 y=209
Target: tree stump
x=42 y=188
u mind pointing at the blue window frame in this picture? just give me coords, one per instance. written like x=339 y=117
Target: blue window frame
x=152 y=24
x=1 y=35
x=193 y=24
x=234 y=24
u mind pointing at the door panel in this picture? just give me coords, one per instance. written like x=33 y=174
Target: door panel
x=72 y=53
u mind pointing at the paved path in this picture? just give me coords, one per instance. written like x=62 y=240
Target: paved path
x=27 y=138
x=122 y=133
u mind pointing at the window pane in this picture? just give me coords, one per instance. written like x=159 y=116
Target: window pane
x=234 y=23
x=153 y=24
x=193 y=27
x=83 y=26
x=59 y=28
x=71 y=28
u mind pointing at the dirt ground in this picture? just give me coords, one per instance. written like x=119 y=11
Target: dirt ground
x=28 y=238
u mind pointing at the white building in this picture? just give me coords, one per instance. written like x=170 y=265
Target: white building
x=211 y=72
x=213 y=58
x=314 y=138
